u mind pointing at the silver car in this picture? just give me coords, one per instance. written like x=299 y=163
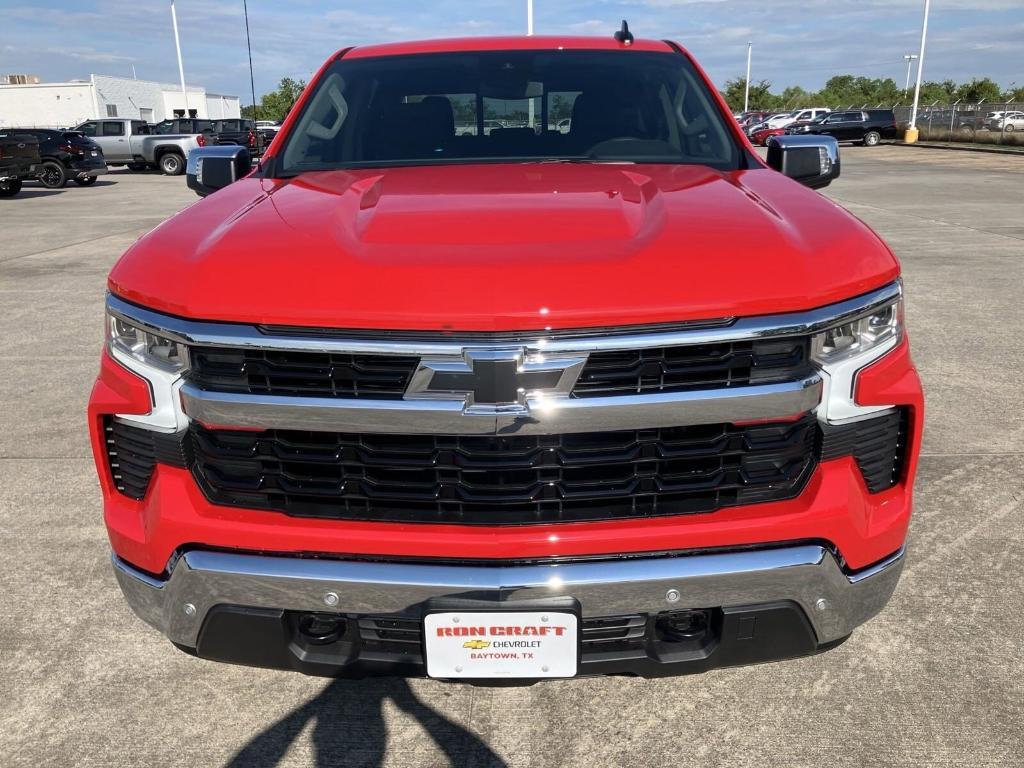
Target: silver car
x=1007 y=122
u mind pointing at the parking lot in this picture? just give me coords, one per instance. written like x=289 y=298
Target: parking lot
x=936 y=680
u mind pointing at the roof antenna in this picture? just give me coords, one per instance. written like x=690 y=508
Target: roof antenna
x=624 y=36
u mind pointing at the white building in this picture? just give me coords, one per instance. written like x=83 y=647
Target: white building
x=61 y=105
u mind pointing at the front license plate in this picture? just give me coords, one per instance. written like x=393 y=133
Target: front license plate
x=94 y=153
x=479 y=645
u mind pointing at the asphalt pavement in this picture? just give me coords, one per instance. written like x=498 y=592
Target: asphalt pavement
x=935 y=680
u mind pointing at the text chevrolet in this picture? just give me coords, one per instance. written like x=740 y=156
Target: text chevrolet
x=594 y=391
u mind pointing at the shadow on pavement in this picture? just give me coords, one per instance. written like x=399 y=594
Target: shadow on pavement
x=348 y=729
x=39 y=191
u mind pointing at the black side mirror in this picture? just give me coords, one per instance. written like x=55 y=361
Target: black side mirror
x=811 y=160
x=212 y=168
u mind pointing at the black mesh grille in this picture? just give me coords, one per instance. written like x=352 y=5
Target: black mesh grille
x=491 y=480
x=310 y=374
x=674 y=369
x=878 y=444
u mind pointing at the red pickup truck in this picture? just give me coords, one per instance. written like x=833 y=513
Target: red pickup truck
x=417 y=397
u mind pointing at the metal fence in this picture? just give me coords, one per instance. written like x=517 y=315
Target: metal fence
x=1000 y=123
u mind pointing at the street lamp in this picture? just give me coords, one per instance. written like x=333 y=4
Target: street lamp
x=912 y=131
x=181 y=68
x=910 y=60
x=746 y=90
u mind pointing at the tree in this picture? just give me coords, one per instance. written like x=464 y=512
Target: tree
x=760 y=94
x=276 y=104
x=844 y=90
x=841 y=91
x=976 y=90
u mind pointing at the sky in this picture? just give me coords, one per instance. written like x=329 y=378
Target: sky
x=796 y=42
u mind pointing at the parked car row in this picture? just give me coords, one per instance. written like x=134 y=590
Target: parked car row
x=165 y=145
x=54 y=157
x=133 y=143
x=861 y=126
x=232 y=131
x=51 y=157
x=866 y=127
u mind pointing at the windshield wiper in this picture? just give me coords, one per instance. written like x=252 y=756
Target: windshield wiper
x=579 y=160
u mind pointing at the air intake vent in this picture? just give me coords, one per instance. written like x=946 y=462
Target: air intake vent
x=878 y=444
x=133 y=453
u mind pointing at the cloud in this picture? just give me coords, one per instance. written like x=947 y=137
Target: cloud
x=90 y=54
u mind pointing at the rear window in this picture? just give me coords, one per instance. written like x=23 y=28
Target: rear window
x=614 y=106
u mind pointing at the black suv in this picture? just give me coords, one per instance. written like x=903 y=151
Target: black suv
x=19 y=160
x=67 y=155
x=863 y=126
x=242 y=133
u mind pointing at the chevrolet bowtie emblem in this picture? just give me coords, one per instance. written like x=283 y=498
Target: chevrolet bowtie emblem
x=495 y=380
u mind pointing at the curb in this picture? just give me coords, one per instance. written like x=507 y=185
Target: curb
x=996 y=150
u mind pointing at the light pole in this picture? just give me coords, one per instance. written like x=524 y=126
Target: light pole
x=746 y=90
x=910 y=60
x=181 y=67
x=920 y=69
x=529 y=17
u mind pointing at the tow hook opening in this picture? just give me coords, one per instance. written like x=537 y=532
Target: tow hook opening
x=682 y=626
x=321 y=628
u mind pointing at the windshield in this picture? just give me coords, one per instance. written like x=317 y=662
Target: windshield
x=618 y=106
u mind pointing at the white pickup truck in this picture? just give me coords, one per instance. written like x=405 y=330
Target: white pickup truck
x=132 y=143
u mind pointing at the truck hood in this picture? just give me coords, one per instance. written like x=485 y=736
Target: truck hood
x=504 y=247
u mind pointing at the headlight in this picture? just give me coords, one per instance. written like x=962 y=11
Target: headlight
x=146 y=347
x=859 y=336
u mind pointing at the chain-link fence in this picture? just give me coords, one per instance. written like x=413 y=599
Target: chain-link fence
x=1000 y=123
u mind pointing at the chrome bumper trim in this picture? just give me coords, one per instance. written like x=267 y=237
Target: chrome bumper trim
x=835 y=603
x=542 y=417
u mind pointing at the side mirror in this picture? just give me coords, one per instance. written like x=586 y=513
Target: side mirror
x=811 y=160
x=212 y=168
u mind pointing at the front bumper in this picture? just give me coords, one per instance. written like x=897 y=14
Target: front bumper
x=802 y=597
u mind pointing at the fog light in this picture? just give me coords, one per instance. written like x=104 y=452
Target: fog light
x=679 y=626
x=322 y=628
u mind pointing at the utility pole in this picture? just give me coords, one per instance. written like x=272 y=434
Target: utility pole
x=746 y=90
x=920 y=68
x=910 y=60
x=181 y=67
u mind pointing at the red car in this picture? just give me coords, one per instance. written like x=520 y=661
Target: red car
x=413 y=397
x=761 y=137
